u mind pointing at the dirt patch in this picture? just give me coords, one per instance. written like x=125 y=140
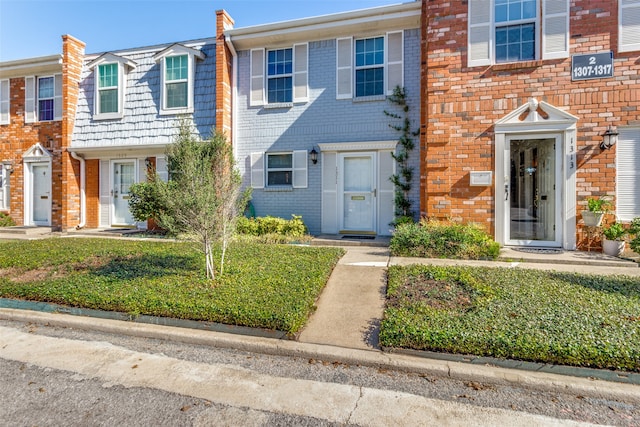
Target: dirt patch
x=439 y=294
x=35 y=275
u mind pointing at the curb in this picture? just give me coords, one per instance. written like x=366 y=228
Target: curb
x=542 y=381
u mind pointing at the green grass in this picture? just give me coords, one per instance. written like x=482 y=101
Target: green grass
x=549 y=317
x=273 y=287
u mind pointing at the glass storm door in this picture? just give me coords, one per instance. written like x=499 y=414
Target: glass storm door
x=533 y=199
x=358 y=193
x=41 y=194
x=124 y=173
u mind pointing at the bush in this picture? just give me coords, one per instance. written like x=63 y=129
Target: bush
x=6 y=220
x=634 y=231
x=268 y=225
x=438 y=239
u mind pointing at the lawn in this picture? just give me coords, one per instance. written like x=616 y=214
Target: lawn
x=264 y=286
x=550 y=317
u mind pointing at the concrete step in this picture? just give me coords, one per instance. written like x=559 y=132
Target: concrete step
x=26 y=230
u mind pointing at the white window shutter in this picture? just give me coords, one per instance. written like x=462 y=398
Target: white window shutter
x=555 y=29
x=480 y=34
x=629 y=22
x=300 y=169
x=257 y=170
x=57 y=97
x=256 y=96
x=105 y=195
x=344 y=72
x=395 y=59
x=30 y=99
x=301 y=72
x=628 y=174
x=4 y=102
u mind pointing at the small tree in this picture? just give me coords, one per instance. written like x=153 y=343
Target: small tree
x=402 y=179
x=202 y=199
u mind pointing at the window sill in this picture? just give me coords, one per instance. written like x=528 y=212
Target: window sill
x=278 y=105
x=108 y=116
x=176 y=111
x=370 y=98
x=507 y=66
x=278 y=189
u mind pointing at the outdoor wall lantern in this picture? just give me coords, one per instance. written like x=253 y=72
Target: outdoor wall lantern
x=609 y=138
x=313 y=155
x=8 y=167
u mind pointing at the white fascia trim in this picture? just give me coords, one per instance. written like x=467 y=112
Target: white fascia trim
x=131 y=151
x=380 y=19
x=109 y=58
x=179 y=49
x=357 y=146
x=31 y=66
x=155 y=48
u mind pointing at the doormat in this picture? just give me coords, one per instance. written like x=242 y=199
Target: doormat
x=359 y=237
x=546 y=251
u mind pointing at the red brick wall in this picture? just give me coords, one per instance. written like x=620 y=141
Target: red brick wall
x=461 y=104
x=224 y=77
x=93 y=193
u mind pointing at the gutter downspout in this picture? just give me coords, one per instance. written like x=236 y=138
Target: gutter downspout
x=83 y=179
x=234 y=93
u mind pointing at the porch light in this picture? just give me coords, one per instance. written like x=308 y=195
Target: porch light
x=8 y=167
x=609 y=138
x=313 y=155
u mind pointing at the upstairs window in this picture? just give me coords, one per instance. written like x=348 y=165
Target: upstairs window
x=43 y=98
x=110 y=74
x=515 y=30
x=177 y=75
x=279 y=75
x=107 y=88
x=370 y=66
x=176 y=81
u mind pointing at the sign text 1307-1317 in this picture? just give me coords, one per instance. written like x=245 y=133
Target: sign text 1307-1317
x=592 y=66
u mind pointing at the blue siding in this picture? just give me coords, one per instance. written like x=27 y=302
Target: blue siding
x=141 y=123
x=321 y=120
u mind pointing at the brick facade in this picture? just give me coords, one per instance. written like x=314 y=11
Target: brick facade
x=462 y=104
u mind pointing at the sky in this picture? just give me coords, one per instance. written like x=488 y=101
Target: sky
x=31 y=28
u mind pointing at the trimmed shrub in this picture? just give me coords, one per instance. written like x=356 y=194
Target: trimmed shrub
x=267 y=225
x=439 y=239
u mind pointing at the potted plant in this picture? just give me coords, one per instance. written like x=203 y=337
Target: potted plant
x=597 y=209
x=613 y=242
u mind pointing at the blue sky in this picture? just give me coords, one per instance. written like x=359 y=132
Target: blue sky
x=30 y=28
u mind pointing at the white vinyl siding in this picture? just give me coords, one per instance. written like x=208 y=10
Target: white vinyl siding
x=329 y=193
x=4 y=102
x=298 y=169
x=300 y=72
x=629 y=25
x=344 y=72
x=628 y=174
x=256 y=97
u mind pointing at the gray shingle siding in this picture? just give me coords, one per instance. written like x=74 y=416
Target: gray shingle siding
x=322 y=119
x=142 y=123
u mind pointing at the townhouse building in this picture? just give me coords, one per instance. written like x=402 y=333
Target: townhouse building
x=520 y=99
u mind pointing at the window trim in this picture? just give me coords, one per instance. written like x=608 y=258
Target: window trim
x=174 y=51
x=357 y=67
x=124 y=66
x=118 y=87
x=51 y=98
x=258 y=76
x=260 y=172
x=269 y=169
x=270 y=77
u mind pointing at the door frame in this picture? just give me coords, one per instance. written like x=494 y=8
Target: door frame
x=112 y=204
x=557 y=241
x=526 y=122
x=341 y=191
x=37 y=155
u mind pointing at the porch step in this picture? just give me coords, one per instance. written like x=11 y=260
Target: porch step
x=26 y=230
x=565 y=257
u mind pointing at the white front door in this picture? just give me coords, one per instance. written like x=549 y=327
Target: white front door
x=358 y=193
x=41 y=194
x=532 y=196
x=123 y=175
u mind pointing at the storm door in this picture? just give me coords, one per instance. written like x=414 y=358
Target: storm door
x=124 y=174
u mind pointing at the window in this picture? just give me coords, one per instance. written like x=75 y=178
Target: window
x=176 y=80
x=282 y=169
x=370 y=66
x=4 y=102
x=107 y=88
x=374 y=66
x=45 y=98
x=629 y=25
x=279 y=169
x=177 y=71
x=628 y=174
x=279 y=75
x=513 y=30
